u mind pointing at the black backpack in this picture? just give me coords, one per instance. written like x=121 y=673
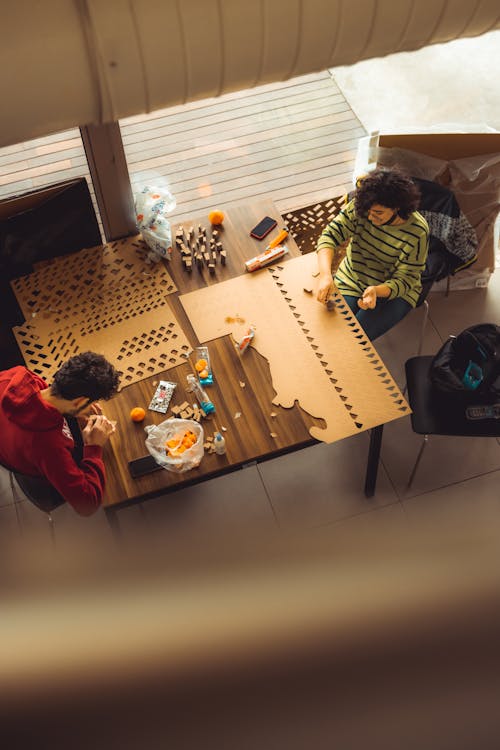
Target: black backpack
x=470 y=363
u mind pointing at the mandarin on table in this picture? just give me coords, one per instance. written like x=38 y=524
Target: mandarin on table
x=216 y=217
x=137 y=414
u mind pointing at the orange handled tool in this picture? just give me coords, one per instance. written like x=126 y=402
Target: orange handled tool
x=278 y=240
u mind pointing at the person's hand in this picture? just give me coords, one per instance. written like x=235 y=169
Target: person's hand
x=98 y=430
x=93 y=408
x=326 y=288
x=369 y=299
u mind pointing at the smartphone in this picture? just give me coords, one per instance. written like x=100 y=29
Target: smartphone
x=263 y=228
x=141 y=466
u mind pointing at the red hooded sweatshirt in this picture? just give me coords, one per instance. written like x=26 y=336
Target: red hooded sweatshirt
x=35 y=439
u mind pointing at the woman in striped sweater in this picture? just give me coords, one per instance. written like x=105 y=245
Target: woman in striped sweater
x=386 y=242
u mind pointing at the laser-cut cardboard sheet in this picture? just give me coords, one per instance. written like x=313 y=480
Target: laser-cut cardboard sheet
x=321 y=359
x=105 y=299
x=95 y=273
x=146 y=344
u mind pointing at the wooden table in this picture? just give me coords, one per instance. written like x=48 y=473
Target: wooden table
x=248 y=439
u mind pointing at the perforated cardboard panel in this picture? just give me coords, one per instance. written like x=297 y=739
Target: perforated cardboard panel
x=56 y=286
x=321 y=359
x=146 y=344
x=105 y=299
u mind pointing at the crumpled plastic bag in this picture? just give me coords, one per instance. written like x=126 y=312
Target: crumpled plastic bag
x=172 y=429
x=152 y=206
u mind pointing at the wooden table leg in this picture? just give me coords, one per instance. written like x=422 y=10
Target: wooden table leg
x=373 y=460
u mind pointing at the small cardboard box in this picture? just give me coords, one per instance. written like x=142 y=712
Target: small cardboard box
x=480 y=203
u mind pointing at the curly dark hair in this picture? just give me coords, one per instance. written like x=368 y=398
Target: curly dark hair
x=86 y=374
x=390 y=188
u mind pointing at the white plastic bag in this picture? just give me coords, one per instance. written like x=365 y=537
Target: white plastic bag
x=151 y=206
x=174 y=429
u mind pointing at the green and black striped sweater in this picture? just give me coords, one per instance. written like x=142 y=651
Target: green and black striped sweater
x=392 y=255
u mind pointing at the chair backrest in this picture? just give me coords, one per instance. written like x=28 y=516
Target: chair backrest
x=35 y=489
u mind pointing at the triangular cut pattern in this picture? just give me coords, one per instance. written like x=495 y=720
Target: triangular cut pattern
x=338 y=389
x=288 y=299
x=379 y=367
x=314 y=346
x=306 y=330
x=324 y=363
x=329 y=372
x=358 y=425
x=348 y=406
x=333 y=380
x=309 y=338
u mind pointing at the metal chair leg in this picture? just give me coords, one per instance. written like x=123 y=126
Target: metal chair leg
x=425 y=305
x=414 y=471
x=52 y=529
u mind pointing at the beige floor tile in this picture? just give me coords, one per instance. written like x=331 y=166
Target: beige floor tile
x=231 y=502
x=446 y=460
x=461 y=309
x=476 y=501
x=323 y=484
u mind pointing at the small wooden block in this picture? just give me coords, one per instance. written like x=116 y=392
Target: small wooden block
x=308 y=289
x=189 y=264
x=184 y=415
x=223 y=257
x=215 y=233
x=184 y=406
x=211 y=267
x=218 y=246
x=176 y=410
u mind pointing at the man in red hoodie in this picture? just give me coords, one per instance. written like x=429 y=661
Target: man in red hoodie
x=35 y=438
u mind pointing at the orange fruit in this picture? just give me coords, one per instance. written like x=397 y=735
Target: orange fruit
x=216 y=217
x=137 y=414
x=204 y=374
x=171 y=443
x=200 y=365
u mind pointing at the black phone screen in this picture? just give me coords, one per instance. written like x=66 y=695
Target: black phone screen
x=263 y=228
x=140 y=466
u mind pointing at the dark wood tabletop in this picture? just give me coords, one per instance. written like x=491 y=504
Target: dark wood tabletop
x=248 y=438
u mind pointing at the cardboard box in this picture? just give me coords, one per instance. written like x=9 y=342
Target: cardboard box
x=450 y=147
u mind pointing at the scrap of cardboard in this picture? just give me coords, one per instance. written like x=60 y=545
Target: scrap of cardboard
x=144 y=345
x=321 y=359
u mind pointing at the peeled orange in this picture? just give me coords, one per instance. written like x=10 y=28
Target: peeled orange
x=137 y=414
x=200 y=365
x=216 y=217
